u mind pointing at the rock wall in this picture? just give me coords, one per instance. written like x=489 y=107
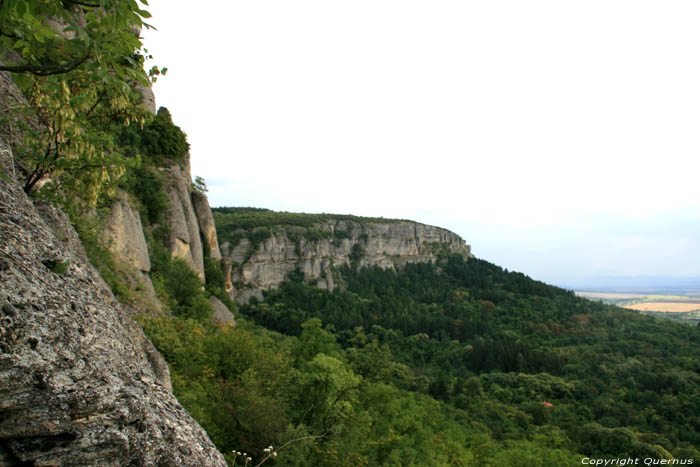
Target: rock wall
x=206 y=223
x=184 y=237
x=386 y=245
x=124 y=236
x=80 y=384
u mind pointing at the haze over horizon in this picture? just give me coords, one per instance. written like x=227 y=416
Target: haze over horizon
x=557 y=139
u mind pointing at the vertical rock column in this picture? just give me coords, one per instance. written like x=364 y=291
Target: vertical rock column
x=206 y=223
x=183 y=241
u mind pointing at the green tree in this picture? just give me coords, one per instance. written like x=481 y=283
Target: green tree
x=52 y=37
x=77 y=63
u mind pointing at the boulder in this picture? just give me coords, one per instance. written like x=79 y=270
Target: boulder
x=222 y=315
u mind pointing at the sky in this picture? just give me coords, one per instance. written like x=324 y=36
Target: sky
x=558 y=138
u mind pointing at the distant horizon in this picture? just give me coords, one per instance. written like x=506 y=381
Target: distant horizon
x=633 y=284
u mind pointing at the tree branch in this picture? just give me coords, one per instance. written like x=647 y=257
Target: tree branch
x=271 y=454
x=46 y=70
x=85 y=4
x=11 y=36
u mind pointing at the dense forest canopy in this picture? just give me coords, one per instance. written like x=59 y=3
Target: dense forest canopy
x=457 y=363
x=231 y=218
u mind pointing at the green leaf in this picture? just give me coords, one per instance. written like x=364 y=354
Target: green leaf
x=21 y=8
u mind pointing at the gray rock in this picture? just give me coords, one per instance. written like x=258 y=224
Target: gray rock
x=184 y=241
x=222 y=315
x=206 y=223
x=386 y=245
x=148 y=99
x=123 y=234
x=80 y=384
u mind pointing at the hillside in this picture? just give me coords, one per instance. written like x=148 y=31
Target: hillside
x=457 y=362
x=264 y=246
x=526 y=362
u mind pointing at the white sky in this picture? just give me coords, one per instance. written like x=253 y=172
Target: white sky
x=559 y=138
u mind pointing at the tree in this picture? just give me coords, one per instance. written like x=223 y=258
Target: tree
x=52 y=37
x=200 y=185
x=77 y=63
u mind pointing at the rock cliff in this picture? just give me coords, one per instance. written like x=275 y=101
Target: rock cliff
x=79 y=382
x=123 y=234
x=317 y=251
x=184 y=238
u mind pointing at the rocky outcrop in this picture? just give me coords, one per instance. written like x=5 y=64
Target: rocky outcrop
x=222 y=315
x=317 y=252
x=80 y=384
x=206 y=223
x=184 y=236
x=124 y=236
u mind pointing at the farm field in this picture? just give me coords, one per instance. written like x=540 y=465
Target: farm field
x=678 y=307
x=604 y=296
x=668 y=307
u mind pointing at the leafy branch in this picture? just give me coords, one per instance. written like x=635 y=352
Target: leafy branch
x=47 y=70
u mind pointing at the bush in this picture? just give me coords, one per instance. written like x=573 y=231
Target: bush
x=357 y=253
x=178 y=285
x=161 y=137
x=147 y=185
x=216 y=282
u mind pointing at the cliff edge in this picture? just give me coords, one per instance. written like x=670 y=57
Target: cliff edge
x=260 y=258
x=80 y=384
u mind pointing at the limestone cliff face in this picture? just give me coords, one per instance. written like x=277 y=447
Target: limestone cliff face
x=123 y=234
x=386 y=245
x=191 y=231
x=184 y=236
x=200 y=203
x=79 y=382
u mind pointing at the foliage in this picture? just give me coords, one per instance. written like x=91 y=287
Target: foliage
x=146 y=183
x=216 y=282
x=521 y=356
x=57 y=266
x=357 y=253
x=54 y=37
x=200 y=185
x=179 y=286
x=162 y=138
x=76 y=63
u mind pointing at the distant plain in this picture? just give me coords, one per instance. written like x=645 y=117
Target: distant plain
x=683 y=306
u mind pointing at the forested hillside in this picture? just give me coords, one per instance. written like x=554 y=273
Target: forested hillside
x=458 y=363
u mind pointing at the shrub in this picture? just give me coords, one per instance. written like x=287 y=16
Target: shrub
x=147 y=185
x=161 y=137
x=178 y=285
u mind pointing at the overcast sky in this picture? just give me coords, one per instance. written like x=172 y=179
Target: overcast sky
x=559 y=138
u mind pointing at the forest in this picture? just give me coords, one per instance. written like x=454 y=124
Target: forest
x=455 y=363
